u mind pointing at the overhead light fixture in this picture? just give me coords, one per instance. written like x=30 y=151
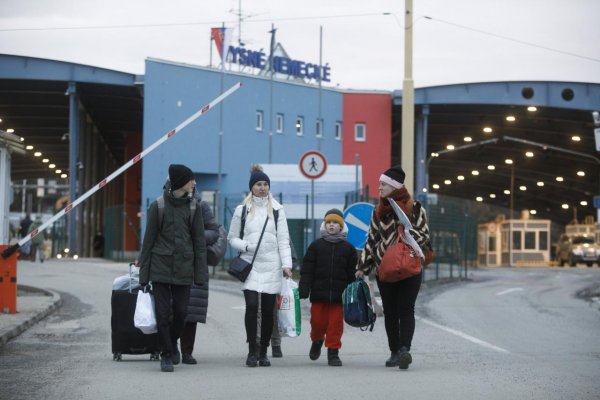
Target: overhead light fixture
x=45 y=160
x=511 y=118
x=51 y=166
x=447 y=182
x=58 y=171
x=434 y=154
x=508 y=161
x=576 y=138
x=460 y=178
x=22 y=139
x=424 y=190
x=487 y=129
x=475 y=172
x=491 y=167
x=560 y=179
x=479 y=198
x=29 y=147
x=0 y=119
x=468 y=139
x=10 y=130
x=583 y=203
x=63 y=175
x=529 y=154
x=523 y=188
x=532 y=108
x=565 y=206
x=492 y=196
x=532 y=212
x=540 y=183
x=450 y=147
x=435 y=186
x=506 y=191
x=580 y=173
x=37 y=154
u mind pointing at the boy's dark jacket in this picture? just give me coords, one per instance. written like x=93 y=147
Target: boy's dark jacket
x=327 y=268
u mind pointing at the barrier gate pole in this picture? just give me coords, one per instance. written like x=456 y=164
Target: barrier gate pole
x=8 y=252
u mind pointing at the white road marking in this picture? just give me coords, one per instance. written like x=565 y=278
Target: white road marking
x=517 y=289
x=352 y=220
x=464 y=336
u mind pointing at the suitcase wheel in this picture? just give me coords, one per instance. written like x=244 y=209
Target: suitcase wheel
x=154 y=356
x=117 y=357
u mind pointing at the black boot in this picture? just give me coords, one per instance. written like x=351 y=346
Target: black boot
x=315 y=350
x=166 y=363
x=251 y=361
x=404 y=358
x=394 y=359
x=333 y=358
x=263 y=360
x=276 y=352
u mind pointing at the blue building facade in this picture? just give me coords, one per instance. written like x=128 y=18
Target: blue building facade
x=173 y=92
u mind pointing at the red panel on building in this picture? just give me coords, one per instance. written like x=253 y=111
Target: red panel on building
x=371 y=115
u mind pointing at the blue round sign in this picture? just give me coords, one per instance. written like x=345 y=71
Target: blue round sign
x=357 y=218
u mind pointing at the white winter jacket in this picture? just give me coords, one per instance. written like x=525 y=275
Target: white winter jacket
x=274 y=253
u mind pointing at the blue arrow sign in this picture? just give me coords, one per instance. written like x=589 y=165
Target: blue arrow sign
x=358 y=217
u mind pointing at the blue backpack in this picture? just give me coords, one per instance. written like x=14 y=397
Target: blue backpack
x=357 y=306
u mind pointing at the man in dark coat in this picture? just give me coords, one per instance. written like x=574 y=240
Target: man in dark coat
x=173 y=257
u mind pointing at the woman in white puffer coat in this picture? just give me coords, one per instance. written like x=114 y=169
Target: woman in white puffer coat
x=272 y=258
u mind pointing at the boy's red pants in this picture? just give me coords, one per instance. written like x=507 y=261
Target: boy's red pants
x=327 y=322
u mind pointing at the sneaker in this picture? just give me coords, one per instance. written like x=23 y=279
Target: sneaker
x=276 y=352
x=315 y=350
x=263 y=361
x=188 y=359
x=394 y=359
x=404 y=358
x=166 y=364
x=251 y=361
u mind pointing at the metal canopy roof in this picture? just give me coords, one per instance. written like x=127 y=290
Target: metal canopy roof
x=34 y=103
x=546 y=133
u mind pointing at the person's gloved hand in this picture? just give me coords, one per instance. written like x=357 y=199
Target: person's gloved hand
x=250 y=247
x=303 y=292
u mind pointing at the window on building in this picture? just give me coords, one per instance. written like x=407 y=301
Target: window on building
x=319 y=128
x=360 y=132
x=259 y=120
x=279 y=123
x=543 y=240
x=300 y=126
x=530 y=240
x=516 y=243
x=338 y=130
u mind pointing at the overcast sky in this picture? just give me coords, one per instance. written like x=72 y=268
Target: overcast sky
x=464 y=41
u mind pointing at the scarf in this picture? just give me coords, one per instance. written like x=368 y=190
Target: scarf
x=401 y=196
x=338 y=237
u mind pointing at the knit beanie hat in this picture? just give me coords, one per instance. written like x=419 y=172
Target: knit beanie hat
x=257 y=175
x=335 y=215
x=179 y=175
x=393 y=177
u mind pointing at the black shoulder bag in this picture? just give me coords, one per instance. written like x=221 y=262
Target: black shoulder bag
x=240 y=268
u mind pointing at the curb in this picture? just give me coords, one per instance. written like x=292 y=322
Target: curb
x=35 y=318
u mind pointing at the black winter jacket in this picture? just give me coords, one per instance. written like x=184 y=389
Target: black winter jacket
x=327 y=268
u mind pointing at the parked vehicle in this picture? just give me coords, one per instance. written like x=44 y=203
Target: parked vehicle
x=574 y=249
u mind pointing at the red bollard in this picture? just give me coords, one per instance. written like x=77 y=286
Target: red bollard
x=8 y=282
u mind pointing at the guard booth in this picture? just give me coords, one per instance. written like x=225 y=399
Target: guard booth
x=588 y=228
x=514 y=242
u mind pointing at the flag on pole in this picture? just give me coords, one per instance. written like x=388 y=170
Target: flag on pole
x=222 y=38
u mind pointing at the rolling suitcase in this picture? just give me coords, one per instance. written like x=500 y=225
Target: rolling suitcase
x=126 y=338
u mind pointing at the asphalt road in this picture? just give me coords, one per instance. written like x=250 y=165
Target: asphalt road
x=505 y=333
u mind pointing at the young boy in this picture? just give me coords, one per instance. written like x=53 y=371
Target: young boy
x=327 y=268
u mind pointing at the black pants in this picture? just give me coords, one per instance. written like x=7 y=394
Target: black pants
x=267 y=305
x=170 y=298
x=398 y=300
x=188 y=337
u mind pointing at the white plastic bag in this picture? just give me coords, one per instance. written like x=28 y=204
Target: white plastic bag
x=144 y=318
x=288 y=308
